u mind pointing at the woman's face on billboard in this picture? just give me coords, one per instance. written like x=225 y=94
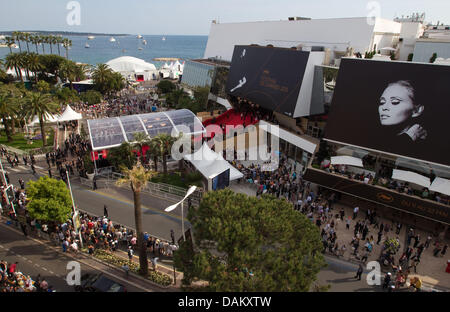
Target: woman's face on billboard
x=396 y=105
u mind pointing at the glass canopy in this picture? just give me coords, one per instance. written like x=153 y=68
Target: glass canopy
x=111 y=132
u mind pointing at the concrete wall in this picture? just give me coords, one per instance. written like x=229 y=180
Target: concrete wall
x=336 y=34
x=425 y=49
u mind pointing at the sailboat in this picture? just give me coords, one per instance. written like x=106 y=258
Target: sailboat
x=91 y=37
x=87 y=45
x=112 y=39
x=139 y=36
x=144 y=42
x=163 y=38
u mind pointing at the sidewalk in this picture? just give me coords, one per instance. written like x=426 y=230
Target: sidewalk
x=431 y=269
x=103 y=266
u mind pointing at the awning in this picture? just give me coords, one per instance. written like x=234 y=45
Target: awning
x=49 y=119
x=352 y=151
x=440 y=171
x=210 y=163
x=346 y=160
x=441 y=185
x=412 y=177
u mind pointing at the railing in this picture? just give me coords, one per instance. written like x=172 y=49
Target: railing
x=166 y=191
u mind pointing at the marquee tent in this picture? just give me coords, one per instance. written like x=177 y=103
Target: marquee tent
x=69 y=114
x=412 y=177
x=346 y=160
x=441 y=185
x=50 y=119
x=210 y=163
x=130 y=67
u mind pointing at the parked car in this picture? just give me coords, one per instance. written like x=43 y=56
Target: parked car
x=98 y=283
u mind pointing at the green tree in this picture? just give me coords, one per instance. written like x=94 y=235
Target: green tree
x=33 y=64
x=66 y=95
x=201 y=96
x=433 y=58
x=138 y=178
x=140 y=140
x=91 y=97
x=43 y=87
x=244 y=244
x=122 y=156
x=49 y=200
x=41 y=105
x=8 y=107
x=14 y=60
x=101 y=78
x=162 y=145
x=165 y=86
x=9 y=42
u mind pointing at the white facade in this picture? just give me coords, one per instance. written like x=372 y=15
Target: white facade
x=409 y=34
x=336 y=34
x=130 y=67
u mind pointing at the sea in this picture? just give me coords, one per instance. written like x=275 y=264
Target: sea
x=101 y=50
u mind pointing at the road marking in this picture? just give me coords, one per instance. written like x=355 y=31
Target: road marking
x=14 y=169
x=51 y=272
x=24 y=258
x=44 y=269
x=30 y=261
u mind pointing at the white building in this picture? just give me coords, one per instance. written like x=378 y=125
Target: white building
x=336 y=34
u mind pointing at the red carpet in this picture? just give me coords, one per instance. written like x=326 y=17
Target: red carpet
x=230 y=117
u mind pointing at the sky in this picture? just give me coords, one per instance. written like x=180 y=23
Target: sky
x=193 y=17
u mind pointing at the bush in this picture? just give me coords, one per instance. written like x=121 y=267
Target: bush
x=166 y=86
x=91 y=97
x=153 y=276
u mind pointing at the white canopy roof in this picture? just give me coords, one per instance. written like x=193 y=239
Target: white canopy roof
x=412 y=177
x=346 y=160
x=441 y=185
x=130 y=64
x=50 y=119
x=69 y=114
x=210 y=163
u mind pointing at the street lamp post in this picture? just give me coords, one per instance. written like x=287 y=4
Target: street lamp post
x=172 y=207
x=74 y=211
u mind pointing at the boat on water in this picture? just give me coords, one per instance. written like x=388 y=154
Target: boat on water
x=140 y=48
x=112 y=39
x=163 y=38
x=144 y=42
x=139 y=36
x=91 y=37
x=87 y=46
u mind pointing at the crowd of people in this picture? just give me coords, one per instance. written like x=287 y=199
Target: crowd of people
x=12 y=280
x=126 y=103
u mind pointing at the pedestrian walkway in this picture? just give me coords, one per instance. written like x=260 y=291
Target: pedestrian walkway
x=431 y=269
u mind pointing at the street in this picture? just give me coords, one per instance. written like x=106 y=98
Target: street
x=34 y=258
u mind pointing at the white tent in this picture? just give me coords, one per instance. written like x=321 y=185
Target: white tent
x=210 y=163
x=412 y=177
x=346 y=160
x=426 y=168
x=441 y=185
x=69 y=114
x=128 y=66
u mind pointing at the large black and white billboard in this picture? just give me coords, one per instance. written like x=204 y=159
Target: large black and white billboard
x=400 y=108
x=269 y=77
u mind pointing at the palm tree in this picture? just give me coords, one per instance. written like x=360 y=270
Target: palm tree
x=27 y=37
x=50 y=40
x=67 y=43
x=101 y=75
x=35 y=41
x=16 y=36
x=24 y=63
x=34 y=64
x=162 y=145
x=138 y=178
x=8 y=108
x=140 y=140
x=13 y=60
x=10 y=42
x=40 y=105
x=59 y=40
x=42 y=41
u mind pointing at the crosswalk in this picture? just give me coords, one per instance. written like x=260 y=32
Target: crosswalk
x=20 y=168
